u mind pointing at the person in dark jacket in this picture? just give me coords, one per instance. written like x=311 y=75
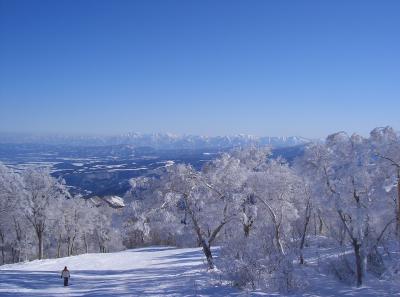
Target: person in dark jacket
x=65 y=274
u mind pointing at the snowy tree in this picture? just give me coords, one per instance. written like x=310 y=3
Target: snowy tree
x=73 y=225
x=343 y=171
x=185 y=193
x=42 y=200
x=10 y=195
x=105 y=236
x=305 y=210
x=36 y=209
x=386 y=145
x=262 y=255
x=183 y=200
x=88 y=223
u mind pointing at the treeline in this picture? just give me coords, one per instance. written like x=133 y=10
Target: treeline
x=262 y=211
x=39 y=218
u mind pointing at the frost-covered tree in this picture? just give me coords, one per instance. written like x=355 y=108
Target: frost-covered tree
x=41 y=202
x=262 y=255
x=386 y=145
x=88 y=224
x=105 y=237
x=74 y=225
x=38 y=213
x=10 y=228
x=186 y=197
x=342 y=170
x=183 y=200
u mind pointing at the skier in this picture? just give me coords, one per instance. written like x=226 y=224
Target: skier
x=65 y=274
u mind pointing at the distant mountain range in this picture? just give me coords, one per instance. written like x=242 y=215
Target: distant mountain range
x=155 y=140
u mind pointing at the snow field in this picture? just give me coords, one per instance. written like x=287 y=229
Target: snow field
x=164 y=271
x=153 y=271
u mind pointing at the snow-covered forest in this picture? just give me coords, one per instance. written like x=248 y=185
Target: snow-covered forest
x=39 y=218
x=268 y=217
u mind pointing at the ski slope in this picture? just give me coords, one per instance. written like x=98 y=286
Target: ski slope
x=153 y=271
x=160 y=271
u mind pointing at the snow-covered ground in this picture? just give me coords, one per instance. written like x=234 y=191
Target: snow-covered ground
x=153 y=271
x=159 y=271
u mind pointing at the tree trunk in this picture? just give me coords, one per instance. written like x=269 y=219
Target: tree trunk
x=14 y=253
x=321 y=225
x=359 y=263
x=86 y=244
x=278 y=239
x=315 y=224
x=59 y=246
x=40 y=245
x=357 y=251
x=303 y=239
x=277 y=226
x=72 y=245
x=208 y=254
x=303 y=235
x=203 y=243
x=206 y=248
x=3 y=257
x=18 y=234
x=246 y=229
x=69 y=247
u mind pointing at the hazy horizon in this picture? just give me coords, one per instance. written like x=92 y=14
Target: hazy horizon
x=125 y=133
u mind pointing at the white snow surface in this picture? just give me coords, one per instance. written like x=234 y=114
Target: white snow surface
x=115 y=201
x=153 y=271
x=160 y=271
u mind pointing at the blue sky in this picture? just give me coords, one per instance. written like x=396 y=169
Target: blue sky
x=282 y=68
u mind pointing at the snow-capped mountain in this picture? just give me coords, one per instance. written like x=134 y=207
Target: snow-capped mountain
x=156 y=140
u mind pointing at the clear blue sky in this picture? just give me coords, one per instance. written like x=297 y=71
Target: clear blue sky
x=304 y=68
